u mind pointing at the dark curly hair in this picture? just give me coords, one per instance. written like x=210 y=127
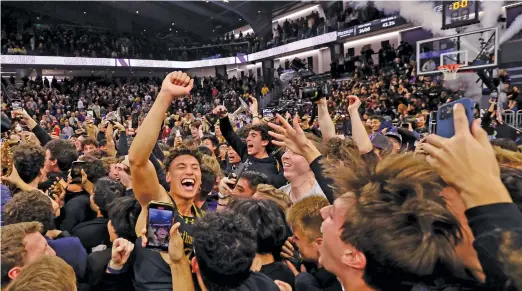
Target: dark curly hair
x=225 y=246
x=30 y=206
x=94 y=168
x=268 y=220
x=90 y=141
x=123 y=214
x=63 y=152
x=181 y=151
x=105 y=191
x=28 y=160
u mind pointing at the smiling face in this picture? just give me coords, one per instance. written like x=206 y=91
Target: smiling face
x=294 y=165
x=376 y=123
x=184 y=176
x=162 y=232
x=255 y=144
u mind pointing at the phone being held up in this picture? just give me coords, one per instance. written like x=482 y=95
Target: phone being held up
x=76 y=172
x=445 y=119
x=159 y=222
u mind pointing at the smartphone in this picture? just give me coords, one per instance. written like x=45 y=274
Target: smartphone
x=16 y=104
x=236 y=175
x=178 y=133
x=76 y=172
x=445 y=122
x=405 y=125
x=159 y=222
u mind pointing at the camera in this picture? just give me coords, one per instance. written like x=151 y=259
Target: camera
x=315 y=93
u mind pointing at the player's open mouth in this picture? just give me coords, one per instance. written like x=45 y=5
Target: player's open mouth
x=188 y=184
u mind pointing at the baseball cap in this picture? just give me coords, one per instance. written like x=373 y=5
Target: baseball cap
x=381 y=142
x=394 y=134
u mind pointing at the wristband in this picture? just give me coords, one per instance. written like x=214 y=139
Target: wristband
x=255 y=116
x=113 y=271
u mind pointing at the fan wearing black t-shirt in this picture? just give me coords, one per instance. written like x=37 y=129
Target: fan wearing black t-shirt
x=184 y=175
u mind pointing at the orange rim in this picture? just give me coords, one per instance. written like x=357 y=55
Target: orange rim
x=452 y=67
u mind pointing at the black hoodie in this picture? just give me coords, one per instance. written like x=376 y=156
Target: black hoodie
x=269 y=166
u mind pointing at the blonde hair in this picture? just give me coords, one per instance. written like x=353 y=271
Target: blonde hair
x=508 y=158
x=48 y=273
x=305 y=215
x=269 y=192
x=212 y=163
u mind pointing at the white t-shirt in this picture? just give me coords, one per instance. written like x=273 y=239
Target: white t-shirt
x=316 y=190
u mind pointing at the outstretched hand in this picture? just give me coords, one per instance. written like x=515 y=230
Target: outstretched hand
x=177 y=84
x=291 y=137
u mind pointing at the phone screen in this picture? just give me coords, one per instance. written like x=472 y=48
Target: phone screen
x=159 y=223
x=76 y=172
x=16 y=105
x=178 y=133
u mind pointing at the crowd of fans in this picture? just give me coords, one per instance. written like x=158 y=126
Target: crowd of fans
x=356 y=199
x=338 y=189
x=23 y=33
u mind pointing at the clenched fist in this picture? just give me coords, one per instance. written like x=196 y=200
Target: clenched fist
x=177 y=84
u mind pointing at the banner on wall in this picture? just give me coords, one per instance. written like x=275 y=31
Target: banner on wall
x=376 y=25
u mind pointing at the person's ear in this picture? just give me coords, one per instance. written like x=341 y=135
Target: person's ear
x=14 y=272
x=354 y=259
x=265 y=143
x=168 y=177
x=194 y=265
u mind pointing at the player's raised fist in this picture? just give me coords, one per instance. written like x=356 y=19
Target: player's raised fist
x=177 y=84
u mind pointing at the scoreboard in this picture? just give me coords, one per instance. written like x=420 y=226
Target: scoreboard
x=459 y=13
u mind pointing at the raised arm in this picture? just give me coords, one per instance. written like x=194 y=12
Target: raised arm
x=109 y=139
x=33 y=126
x=325 y=121
x=228 y=132
x=359 y=134
x=254 y=110
x=146 y=186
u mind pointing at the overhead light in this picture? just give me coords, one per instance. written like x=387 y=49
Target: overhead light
x=84 y=12
x=92 y=71
x=70 y=71
x=239 y=19
x=176 y=31
x=144 y=30
x=137 y=12
x=172 y=23
x=225 y=1
x=170 y=29
x=213 y=30
x=38 y=18
x=113 y=72
x=258 y=11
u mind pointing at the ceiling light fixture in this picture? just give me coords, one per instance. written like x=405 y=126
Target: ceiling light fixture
x=144 y=30
x=170 y=29
x=84 y=12
x=176 y=31
x=239 y=19
x=137 y=12
x=172 y=23
x=258 y=11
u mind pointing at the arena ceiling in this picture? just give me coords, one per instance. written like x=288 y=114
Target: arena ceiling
x=193 y=19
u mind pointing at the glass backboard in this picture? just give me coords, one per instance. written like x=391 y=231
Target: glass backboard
x=472 y=50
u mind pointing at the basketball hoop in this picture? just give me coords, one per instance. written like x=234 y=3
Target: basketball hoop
x=449 y=71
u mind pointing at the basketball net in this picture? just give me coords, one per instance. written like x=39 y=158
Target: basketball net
x=449 y=71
